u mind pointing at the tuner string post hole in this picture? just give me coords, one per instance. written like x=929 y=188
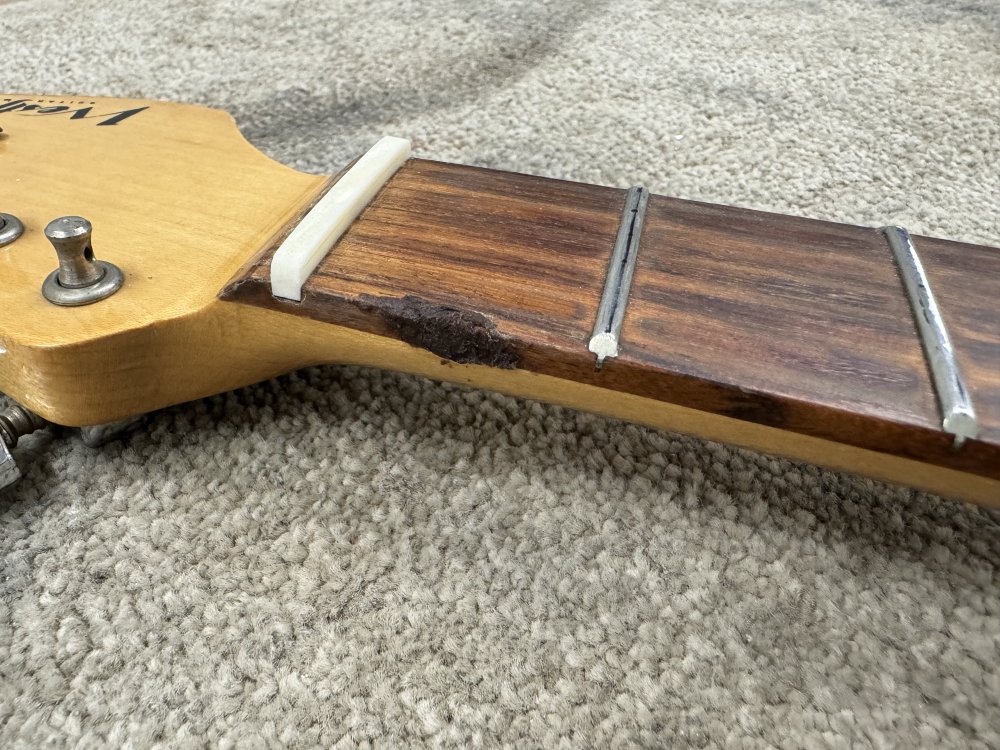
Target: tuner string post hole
x=81 y=279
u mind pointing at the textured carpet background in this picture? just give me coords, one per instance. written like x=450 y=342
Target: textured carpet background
x=344 y=556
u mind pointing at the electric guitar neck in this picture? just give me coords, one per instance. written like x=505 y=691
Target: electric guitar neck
x=862 y=349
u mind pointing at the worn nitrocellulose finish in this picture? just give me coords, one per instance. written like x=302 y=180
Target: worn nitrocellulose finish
x=343 y=555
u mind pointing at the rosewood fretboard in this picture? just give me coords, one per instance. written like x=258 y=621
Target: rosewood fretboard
x=793 y=323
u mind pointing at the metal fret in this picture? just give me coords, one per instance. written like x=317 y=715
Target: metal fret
x=957 y=414
x=611 y=312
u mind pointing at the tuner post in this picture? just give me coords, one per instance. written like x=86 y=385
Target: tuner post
x=10 y=228
x=80 y=279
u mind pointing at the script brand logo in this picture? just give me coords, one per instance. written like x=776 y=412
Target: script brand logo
x=74 y=110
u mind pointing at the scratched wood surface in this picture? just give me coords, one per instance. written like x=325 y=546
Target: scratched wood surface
x=784 y=322
x=497 y=264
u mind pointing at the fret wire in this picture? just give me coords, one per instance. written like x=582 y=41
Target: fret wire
x=618 y=282
x=957 y=414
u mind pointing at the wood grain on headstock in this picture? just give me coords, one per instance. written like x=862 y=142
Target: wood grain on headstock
x=178 y=199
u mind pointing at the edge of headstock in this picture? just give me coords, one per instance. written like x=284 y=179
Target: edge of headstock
x=179 y=200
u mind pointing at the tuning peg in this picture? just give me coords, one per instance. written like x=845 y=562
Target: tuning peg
x=80 y=278
x=15 y=422
x=100 y=434
x=10 y=228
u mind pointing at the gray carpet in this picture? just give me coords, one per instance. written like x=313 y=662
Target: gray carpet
x=344 y=557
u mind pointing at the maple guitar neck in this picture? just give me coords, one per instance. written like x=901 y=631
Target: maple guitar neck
x=784 y=334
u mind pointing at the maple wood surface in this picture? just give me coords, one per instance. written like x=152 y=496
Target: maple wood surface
x=178 y=200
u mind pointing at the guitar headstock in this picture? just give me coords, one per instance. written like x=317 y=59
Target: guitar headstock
x=178 y=200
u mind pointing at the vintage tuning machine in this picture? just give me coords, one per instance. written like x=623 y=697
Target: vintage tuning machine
x=17 y=421
x=81 y=279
